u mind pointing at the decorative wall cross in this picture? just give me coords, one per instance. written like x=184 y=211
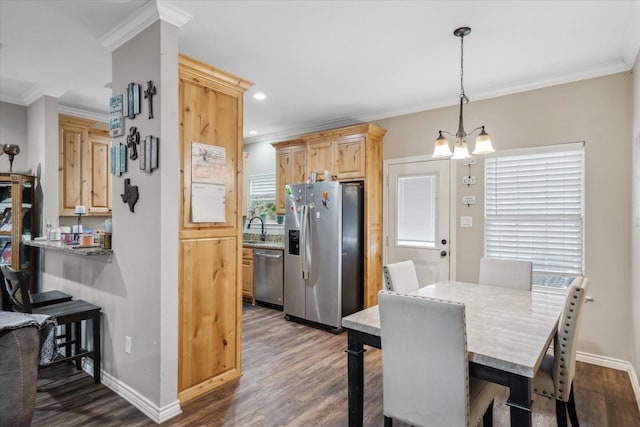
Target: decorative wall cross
x=148 y=94
x=133 y=139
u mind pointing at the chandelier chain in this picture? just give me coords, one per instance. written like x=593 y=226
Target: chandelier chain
x=462 y=94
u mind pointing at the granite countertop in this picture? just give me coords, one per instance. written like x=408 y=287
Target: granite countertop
x=273 y=241
x=67 y=248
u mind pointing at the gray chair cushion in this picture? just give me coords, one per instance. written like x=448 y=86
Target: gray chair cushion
x=556 y=373
x=505 y=272
x=425 y=366
x=401 y=277
x=19 y=351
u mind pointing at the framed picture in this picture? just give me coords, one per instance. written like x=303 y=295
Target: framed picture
x=5 y=254
x=6 y=222
x=133 y=101
x=112 y=156
x=123 y=158
x=116 y=118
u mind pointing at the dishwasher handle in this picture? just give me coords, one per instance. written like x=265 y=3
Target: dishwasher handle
x=267 y=255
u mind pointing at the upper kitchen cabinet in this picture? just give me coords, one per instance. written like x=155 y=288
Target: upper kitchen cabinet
x=290 y=167
x=352 y=153
x=341 y=152
x=84 y=177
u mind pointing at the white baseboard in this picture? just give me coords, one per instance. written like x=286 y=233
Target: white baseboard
x=156 y=413
x=617 y=364
x=160 y=415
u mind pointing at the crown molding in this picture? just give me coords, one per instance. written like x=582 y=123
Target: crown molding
x=295 y=132
x=12 y=100
x=83 y=114
x=141 y=19
x=171 y=14
x=37 y=91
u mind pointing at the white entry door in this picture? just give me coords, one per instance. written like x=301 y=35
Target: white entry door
x=417 y=217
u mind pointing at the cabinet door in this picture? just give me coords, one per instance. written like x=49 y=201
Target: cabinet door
x=298 y=165
x=350 y=157
x=96 y=183
x=320 y=157
x=247 y=279
x=70 y=166
x=283 y=174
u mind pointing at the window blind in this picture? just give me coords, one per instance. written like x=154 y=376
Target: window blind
x=262 y=186
x=534 y=207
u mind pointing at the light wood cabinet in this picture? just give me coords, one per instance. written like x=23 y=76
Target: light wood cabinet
x=291 y=168
x=84 y=177
x=320 y=157
x=349 y=154
x=209 y=255
x=247 y=275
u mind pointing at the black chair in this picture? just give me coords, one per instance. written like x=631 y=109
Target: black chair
x=69 y=314
x=37 y=299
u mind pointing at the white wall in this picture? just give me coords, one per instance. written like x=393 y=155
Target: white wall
x=597 y=111
x=13 y=130
x=635 y=221
x=262 y=158
x=137 y=286
x=42 y=116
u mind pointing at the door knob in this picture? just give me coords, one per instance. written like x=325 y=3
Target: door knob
x=443 y=254
x=444 y=241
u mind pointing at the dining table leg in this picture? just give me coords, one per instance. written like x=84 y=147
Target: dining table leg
x=519 y=400
x=355 y=373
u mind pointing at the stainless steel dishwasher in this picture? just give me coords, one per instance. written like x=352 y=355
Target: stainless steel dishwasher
x=267 y=276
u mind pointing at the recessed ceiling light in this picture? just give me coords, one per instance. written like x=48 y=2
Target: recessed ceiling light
x=259 y=96
x=253 y=132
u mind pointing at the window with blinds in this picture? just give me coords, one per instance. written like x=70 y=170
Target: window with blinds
x=262 y=196
x=534 y=207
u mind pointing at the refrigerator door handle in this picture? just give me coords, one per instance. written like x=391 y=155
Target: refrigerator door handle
x=304 y=267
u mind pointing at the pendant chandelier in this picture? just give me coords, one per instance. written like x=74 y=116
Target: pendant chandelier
x=460 y=150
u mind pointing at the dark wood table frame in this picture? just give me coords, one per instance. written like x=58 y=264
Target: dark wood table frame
x=519 y=386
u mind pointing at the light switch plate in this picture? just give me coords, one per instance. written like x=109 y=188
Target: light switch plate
x=466 y=221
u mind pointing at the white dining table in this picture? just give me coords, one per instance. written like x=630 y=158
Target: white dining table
x=508 y=332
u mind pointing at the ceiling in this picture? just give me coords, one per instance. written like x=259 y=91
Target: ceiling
x=324 y=64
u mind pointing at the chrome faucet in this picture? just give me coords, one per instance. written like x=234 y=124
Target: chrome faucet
x=263 y=235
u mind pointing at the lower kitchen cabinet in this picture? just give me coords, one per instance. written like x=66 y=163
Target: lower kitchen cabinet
x=247 y=275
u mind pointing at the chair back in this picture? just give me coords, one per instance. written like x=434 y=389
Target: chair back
x=509 y=273
x=17 y=288
x=424 y=360
x=564 y=352
x=401 y=276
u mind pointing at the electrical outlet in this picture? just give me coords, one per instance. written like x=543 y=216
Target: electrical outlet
x=127 y=345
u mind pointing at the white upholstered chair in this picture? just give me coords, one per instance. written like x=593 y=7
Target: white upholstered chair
x=401 y=277
x=554 y=379
x=425 y=366
x=505 y=272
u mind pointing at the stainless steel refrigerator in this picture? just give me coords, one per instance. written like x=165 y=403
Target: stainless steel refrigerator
x=324 y=261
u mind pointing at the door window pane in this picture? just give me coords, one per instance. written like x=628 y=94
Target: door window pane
x=416 y=216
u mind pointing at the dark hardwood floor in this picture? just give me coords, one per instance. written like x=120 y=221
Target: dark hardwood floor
x=295 y=375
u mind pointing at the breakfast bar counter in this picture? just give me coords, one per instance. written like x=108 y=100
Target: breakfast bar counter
x=59 y=246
